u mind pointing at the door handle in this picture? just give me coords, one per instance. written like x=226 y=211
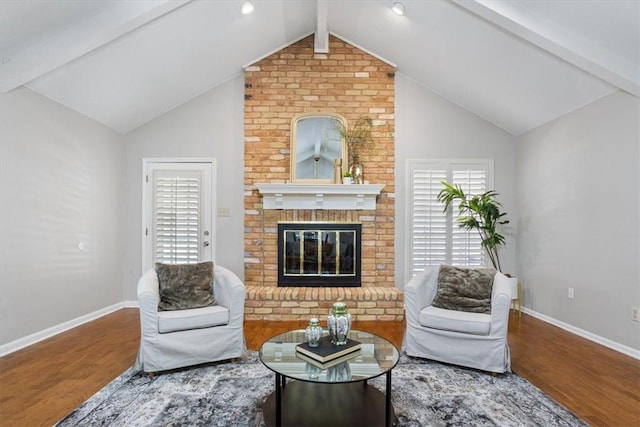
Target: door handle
x=205 y=243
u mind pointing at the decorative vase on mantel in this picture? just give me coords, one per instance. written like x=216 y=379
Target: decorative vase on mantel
x=339 y=323
x=357 y=173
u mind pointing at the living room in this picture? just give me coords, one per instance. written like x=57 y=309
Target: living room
x=72 y=185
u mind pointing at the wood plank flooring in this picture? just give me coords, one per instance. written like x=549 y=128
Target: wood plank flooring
x=42 y=383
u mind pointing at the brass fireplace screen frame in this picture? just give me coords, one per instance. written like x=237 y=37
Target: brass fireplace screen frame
x=319 y=254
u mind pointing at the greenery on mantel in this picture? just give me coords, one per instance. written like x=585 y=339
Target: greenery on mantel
x=357 y=137
x=479 y=212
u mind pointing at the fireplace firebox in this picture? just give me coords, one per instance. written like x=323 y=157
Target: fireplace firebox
x=319 y=254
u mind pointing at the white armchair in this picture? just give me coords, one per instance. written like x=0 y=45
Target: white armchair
x=175 y=339
x=475 y=340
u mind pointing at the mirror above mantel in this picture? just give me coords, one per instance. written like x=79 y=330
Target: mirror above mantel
x=316 y=143
x=319 y=196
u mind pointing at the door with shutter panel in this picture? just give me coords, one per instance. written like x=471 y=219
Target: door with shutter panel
x=178 y=211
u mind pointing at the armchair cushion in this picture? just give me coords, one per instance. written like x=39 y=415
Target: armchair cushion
x=464 y=289
x=455 y=321
x=185 y=286
x=195 y=318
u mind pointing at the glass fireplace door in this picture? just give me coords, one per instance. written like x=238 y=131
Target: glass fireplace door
x=319 y=255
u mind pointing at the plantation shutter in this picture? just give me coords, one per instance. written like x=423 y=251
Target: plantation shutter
x=428 y=221
x=434 y=236
x=177 y=205
x=466 y=246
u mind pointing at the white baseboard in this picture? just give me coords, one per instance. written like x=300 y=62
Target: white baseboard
x=55 y=330
x=631 y=352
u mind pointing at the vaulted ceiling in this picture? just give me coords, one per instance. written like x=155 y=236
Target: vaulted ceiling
x=517 y=64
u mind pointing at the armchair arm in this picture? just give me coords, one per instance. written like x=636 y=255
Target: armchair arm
x=500 y=304
x=148 y=298
x=229 y=292
x=419 y=293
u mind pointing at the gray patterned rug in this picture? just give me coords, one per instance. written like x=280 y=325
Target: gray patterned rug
x=424 y=393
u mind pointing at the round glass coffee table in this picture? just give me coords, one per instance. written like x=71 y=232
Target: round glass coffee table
x=333 y=394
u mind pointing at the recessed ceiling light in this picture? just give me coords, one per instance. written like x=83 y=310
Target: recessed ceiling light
x=398 y=8
x=246 y=7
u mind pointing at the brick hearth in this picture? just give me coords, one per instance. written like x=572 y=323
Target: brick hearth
x=367 y=303
x=294 y=80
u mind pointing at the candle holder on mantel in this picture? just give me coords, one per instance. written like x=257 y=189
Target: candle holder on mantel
x=337 y=171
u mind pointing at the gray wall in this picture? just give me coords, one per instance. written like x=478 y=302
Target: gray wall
x=61 y=187
x=207 y=126
x=430 y=127
x=579 y=186
x=67 y=179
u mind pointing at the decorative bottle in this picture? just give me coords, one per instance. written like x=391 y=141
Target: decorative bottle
x=339 y=323
x=313 y=332
x=337 y=171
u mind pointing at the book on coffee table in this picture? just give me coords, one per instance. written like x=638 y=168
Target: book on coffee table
x=330 y=363
x=326 y=351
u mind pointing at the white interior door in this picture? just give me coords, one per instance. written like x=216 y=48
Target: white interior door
x=178 y=206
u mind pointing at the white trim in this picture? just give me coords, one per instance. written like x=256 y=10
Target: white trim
x=55 y=330
x=319 y=196
x=321 y=40
x=621 y=348
x=131 y=304
x=21 y=343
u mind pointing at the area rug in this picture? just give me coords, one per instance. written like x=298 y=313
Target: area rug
x=424 y=393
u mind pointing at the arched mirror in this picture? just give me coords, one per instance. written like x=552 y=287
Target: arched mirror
x=315 y=145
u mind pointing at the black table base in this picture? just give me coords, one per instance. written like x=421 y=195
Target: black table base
x=320 y=404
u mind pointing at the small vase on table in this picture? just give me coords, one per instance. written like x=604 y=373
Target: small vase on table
x=339 y=323
x=313 y=332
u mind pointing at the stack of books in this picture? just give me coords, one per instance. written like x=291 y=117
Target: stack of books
x=326 y=354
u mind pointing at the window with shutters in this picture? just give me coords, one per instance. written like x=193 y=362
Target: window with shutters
x=177 y=218
x=434 y=235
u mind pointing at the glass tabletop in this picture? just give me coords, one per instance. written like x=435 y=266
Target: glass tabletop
x=376 y=356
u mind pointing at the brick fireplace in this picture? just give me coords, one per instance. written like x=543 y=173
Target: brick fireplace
x=294 y=80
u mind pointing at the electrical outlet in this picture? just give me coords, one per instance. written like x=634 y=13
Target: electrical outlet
x=635 y=314
x=570 y=293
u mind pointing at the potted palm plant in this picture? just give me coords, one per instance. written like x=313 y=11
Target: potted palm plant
x=479 y=212
x=357 y=137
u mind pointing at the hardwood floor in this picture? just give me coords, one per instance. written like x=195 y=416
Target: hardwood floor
x=42 y=383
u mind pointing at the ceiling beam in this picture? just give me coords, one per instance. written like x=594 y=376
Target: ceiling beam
x=74 y=43
x=613 y=77
x=321 y=40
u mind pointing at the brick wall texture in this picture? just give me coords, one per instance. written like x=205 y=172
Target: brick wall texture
x=295 y=80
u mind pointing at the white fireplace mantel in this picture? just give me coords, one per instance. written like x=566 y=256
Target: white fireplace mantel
x=320 y=196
